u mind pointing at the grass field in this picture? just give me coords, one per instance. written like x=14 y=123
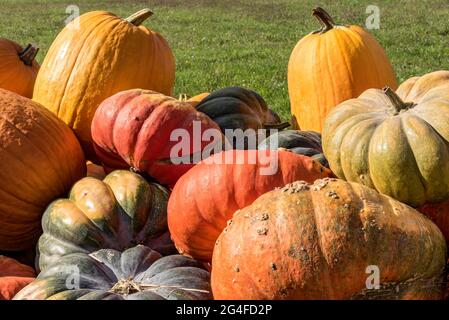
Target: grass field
x=248 y=43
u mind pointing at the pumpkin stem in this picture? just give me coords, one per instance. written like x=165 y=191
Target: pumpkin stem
x=28 y=54
x=396 y=101
x=139 y=17
x=324 y=18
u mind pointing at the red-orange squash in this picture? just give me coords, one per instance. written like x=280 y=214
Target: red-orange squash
x=329 y=240
x=18 y=67
x=96 y=56
x=133 y=128
x=207 y=196
x=40 y=160
x=13 y=277
x=439 y=214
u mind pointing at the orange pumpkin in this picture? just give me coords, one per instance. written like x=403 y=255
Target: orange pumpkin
x=206 y=197
x=40 y=160
x=329 y=240
x=104 y=55
x=18 y=67
x=331 y=65
x=195 y=100
x=439 y=214
x=13 y=277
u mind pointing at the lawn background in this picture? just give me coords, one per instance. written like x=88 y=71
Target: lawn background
x=248 y=43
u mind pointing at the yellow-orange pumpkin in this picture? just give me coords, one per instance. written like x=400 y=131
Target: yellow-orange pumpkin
x=105 y=55
x=40 y=160
x=18 y=68
x=331 y=65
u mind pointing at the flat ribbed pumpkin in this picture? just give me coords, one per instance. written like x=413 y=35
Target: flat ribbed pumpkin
x=207 y=196
x=331 y=65
x=397 y=143
x=133 y=128
x=13 y=277
x=18 y=68
x=40 y=160
x=117 y=213
x=328 y=241
x=105 y=55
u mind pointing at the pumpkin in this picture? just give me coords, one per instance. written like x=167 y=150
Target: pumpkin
x=134 y=129
x=331 y=65
x=13 y=277
x=439 y=214
x=117 y=213
x=329 y=240
x=40 y=159
x=396 y=143
x=234 y=108
x=307 y=143
x=95 y=171
x=18 y=67
x=195 y=99
x=138 y=273
x=206 y=197
x=96 y=56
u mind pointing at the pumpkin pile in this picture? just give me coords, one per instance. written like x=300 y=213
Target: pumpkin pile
x=112 y=189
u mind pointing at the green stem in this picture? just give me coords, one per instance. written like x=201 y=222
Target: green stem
x=28 y=54
x=139 y=17
x=324 y=18
x=396 y=101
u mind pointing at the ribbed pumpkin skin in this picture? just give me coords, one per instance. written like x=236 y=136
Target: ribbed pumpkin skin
x=121 y=211
x=307 y=143
x=195 y=100
x=105 y=56
x=40 y=160
x=400 y=151
x=439 y=214
x=133 y=129
x=15 y=75
x=99 y=272
x=207 y=196
x=317 y=241
x=329 y=67
x=13 y=277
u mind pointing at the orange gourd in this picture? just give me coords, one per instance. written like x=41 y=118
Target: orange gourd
x=13 y=277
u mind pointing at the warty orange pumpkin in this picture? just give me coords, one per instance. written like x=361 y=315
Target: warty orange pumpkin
x=207 y=196
x=40 y=159
x=13 y=277
x=331 y=65
x=329 y=240
x=105 y=55
x=18 y=67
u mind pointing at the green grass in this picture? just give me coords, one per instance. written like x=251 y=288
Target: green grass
x=248 y=43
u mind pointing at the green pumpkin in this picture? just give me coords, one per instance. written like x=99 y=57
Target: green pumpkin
x=306 y=143
x=138 y=273
x=239 y=108
x=396 y=143
x=119 y=212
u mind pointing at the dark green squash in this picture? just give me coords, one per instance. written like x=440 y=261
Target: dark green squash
x=306 y=143
x=138 y=273
x=239 y=108
x=119 y=212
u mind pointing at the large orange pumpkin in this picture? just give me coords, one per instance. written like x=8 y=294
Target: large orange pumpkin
x=105 y=55
x=331 y=65
x=329 y=240
x=13 y=277
x=18 y=68
x=206 y=197
x=40 y=160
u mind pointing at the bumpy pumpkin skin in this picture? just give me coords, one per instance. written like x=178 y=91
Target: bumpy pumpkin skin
x=235 y=108
x=307 y=143
x=317 y=241
x=206 y=197
x=40 y=159
x=331 y=65
x=117 y=213
x=104 y=56
x=18 y=68
x=13 y=277
x=401 y=148
x=108 y=274
x=133 y=129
